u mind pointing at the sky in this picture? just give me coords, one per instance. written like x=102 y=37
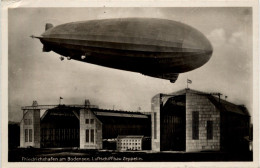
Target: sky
x=35 y=75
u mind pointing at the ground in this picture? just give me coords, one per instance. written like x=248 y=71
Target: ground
x=80 y=155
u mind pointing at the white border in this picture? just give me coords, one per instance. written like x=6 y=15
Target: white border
x=112 y=3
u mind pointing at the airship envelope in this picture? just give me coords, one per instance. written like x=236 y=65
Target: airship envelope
x=154 y=47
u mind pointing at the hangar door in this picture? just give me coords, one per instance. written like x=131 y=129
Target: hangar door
x=60 y=128
x=173 y=125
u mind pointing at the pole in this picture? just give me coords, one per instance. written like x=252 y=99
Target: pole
x=219 y=94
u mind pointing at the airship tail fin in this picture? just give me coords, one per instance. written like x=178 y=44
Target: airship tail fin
x=48 y=26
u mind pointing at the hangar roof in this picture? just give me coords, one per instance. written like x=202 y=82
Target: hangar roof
x=221 y=104
x=115 y=113
x=229 y=107
x=118 y=117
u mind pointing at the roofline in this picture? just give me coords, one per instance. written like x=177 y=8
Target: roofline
x=92 y=107
x=119 y=111
x=187 y=90
x=184 y=91
x=46 y=107
x=130 y=136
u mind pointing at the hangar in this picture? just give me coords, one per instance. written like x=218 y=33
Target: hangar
x=195 y=121
x=186 y=120
x=83 y=126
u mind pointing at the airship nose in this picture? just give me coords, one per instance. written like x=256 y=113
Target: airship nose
x=197 y=44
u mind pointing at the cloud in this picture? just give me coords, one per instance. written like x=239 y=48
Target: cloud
x=236 y=37
x=233 y=53
x=217 y=36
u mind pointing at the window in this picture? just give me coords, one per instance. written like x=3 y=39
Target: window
x=209 y=129
x=92 y=135
x=87 y=135
x=87 y=121
x=25 y=121
x=195 y=125
x=30 y=135
x=26 y=135
x=155 y=126
x=91 y=121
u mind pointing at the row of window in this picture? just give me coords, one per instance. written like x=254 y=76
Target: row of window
x=90 y=134
x=27 y=121
x=127 y=148
x=28 y=135
x=91 y=121
x=129 y=143
x=195 y=126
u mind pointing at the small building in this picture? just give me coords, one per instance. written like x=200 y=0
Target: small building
x=194 y=121
x=129 y=142
x=84 y=126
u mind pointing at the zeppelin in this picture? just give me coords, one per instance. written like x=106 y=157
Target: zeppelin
x=155 y=47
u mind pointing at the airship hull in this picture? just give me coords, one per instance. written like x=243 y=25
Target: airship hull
x=154 y=47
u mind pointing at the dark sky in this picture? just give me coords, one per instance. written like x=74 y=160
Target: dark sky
x=34 y=75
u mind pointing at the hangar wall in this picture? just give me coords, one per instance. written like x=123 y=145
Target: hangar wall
x=207 y=113
x=156 y=109
x=90 y=130
x=30 y=129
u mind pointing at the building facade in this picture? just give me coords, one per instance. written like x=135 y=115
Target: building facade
x=129 y=142
x=194 y=121
x=30 y=128
x=90 y=130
